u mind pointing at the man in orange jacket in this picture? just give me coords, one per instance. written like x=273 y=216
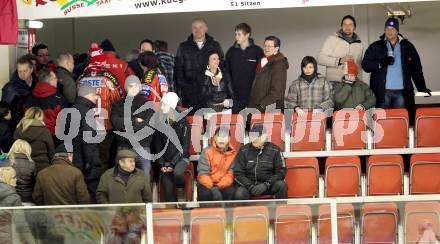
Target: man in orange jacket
x=215 y=175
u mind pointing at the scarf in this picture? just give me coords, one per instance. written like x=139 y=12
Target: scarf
x=263 y=62
x=347 y=38
x=215 y=78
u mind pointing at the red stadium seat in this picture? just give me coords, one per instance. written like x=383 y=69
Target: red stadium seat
x=342 y=176
x=308 y=133
x=208 y=226
x=427 y=127
x=379 y=223
x=293 y=224
x=416 y=215
x=424 y=174
x=170 y=222
x=189 y=184
x=275 y=126
x=302 y=177
x=349 y=130
x=390 y=128
x=196 y=123
x=345 y=224
x=251 y=225
x=234 y=122
x=385 y=175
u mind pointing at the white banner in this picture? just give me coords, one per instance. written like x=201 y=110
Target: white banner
x=48 y=9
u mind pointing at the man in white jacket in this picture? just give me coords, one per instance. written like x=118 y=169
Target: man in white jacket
x=339 y=48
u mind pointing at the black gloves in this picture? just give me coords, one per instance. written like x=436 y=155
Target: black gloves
x=259 y=189
x=427 y=91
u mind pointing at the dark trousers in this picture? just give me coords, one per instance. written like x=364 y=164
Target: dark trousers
x=107 y=152
x=215 y=194
x=277 y=189
x=393 y=99
x=173 y=180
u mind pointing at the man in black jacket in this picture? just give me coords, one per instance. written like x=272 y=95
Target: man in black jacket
x=85 y=151
x=16 y=91
x=241 y=63
x=190 y=62
x=394 y=63
x=121 y=123
x=259 y=168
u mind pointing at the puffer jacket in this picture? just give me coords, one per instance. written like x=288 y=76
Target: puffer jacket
x=336 y=47
x=352 y=95
x=269 y=85
x=253 y=166
x=8 y=196
x=26 y=174
x=215 y=167
x=212 y=95
x=41 y=142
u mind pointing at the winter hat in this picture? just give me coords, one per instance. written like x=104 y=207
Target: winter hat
x=125 y=153
x=352 y=68
x=258 y=129
x=107 y=46
x=349 y=17
x=171 y=99
x=132 y=79
x=392 y=22
x=85 y=89
x=96 y=54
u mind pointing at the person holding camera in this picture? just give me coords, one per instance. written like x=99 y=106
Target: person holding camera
x=394 y=64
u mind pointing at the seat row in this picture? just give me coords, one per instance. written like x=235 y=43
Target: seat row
x=378 y=223
x=389 y=128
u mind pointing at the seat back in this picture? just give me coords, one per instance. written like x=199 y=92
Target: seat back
x=424 y=174
x=379 y=223
x=188 y=175
x=342 y=176
x=385 y=175
x=302 y=177
x=251 y=225
x=196 y=123
x=293 y=224
x=345 y=224
x=417 y=214
x=427 y=127
x=308 y=133
x=349 y=130
x=275 y=127
x=390 y=129
x=208 y=226
x=234 y=122
x=168 y=221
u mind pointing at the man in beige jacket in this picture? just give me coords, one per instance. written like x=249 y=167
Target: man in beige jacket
x=339 y=48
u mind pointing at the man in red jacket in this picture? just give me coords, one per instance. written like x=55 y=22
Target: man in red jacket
x=115 y=65
x=45 y=95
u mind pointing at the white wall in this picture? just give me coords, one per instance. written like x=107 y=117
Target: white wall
x=302 y=30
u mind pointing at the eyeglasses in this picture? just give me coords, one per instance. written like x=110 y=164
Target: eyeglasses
x=265 y=46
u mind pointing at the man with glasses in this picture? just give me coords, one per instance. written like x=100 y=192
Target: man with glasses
x=41 y=51
x=271 y=77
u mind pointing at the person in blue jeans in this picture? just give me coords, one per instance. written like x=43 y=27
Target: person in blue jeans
x=126 y=135
x=394 y=65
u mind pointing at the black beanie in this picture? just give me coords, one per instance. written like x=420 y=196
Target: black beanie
x=349 y=17
x=107 y=46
